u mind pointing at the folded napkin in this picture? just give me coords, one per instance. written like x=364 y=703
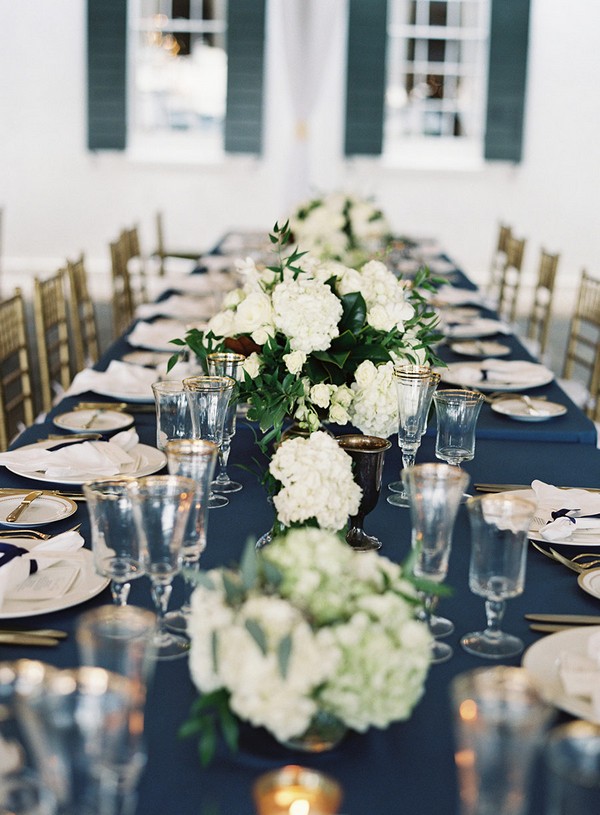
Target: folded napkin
x=20 y=566
x=134 y=381
x=156 y=336
x=91 y=458
x=565 y=511
x=503 y=372
x=453 y=296
x=178 y=306
x=483 y=325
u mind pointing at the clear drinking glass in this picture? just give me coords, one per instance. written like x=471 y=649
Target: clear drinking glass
x=435 y=492
x=24 y=794
x=115 y=543
x=499 y=527
x=499 y=723
x=173 y=418
x=195 y=459
x=457 y=412
x=208 y=398
x=572 y=754
x=161 y=508
x=226 y=364
x=415 y=385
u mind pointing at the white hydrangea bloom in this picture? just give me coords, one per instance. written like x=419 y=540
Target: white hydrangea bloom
x=374 y=409
x=307 y=312
x=316 y=482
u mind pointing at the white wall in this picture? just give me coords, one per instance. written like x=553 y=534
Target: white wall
x=60 y=200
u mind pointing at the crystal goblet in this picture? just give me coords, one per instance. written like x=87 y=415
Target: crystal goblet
x=115 y=543
x=226 y=364
x=457 y=412
x=499 y=527
x=367 y=453
x=161 y=508
x=195 y=459
x=173 y=419
x=435 y=493
x=415 y=385
x=208 y=398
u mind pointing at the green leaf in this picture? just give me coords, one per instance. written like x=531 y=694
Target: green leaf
x=355 y=312
x=258 y=635
x=233 y=589
x=229 y=727
x=208 y=742
x=284 y=652
x=249 y=565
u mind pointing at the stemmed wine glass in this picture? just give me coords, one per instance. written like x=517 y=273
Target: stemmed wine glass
x=367 y=453
x=209 y=397
x=115 y=543
x=415 y=385
x=435 y=493
x=226 y=364
x=161 y=508
x=499 y=527
x=457 y=412
x=192 y=458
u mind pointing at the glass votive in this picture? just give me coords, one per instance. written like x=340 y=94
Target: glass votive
x=572 y=754
x=295 y=790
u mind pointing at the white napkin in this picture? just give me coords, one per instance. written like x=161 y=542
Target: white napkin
x=156 y=336
x=178 y=306
x=503 y=372
x=480 y=326
x=15 y=575
x=120 y=377
x=579 y=502
x=94 y=458
x=453 y=296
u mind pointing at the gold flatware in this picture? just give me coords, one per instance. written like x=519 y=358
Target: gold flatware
x=129 y=407
x=16 y=513
x=32 y=533
x=27 y=639
x=73 y=437
x=508 y=487
x=54 y=633
x=565 y=619
x=576 y=567
x=74 y=496
x=549 y=628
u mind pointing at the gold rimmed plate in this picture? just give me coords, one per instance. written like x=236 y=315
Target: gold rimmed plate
x=534 y=410
x=46 y=509
x=93 y=421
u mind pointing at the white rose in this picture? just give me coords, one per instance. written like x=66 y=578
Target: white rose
x=254 y=312
x=319 y=395
x=294 y=361
x=251 y=365
x=338 y=415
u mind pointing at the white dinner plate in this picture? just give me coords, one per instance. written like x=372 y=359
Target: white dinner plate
x=537 y=411
x=124 y=395
x=540 y=375
x=541 y=660
x=485 y=327
x=483 y=348
x=590 y=581
x=154 y=460
x=148 y=359
x=44 y=510
x=86 y=585
x=103 y=420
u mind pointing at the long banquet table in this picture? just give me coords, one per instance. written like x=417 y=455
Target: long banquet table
x=408 y=767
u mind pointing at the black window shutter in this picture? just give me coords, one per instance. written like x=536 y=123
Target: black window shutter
x=507 y=77
x=365 y=77
x=245 y=52
x=106 y=64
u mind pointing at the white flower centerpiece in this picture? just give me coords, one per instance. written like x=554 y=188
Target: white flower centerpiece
x=305 y=628
x=341 y=226
x=321 y=339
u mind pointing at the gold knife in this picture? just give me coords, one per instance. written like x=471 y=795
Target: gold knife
x=14 y=638
x=53 y=633
x=508 y=487
x=565 y=619
x=16 y=513
x=133 y=407
x=550 y=628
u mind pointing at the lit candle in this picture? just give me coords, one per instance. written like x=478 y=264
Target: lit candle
x=295 y=790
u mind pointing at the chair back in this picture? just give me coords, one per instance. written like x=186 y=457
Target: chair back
x=510 y=282
x=498 y=260
x=128 y=278
x=583 y=347
x=82 y=317
x=16 y=401
x=52 y=336
x=162 y=252
x=538 y=324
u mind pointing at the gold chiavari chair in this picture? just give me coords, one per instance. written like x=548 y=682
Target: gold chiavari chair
x=128 y=278
x=582 y=358
x=52 y=336
x=538 y=323
x=511 y=278
x=162 y=253
x=16 y=401
x=84 y=330
x=498 y=261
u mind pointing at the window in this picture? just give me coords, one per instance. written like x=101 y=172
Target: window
x=160 y=104
x=178 y=76
x=455 y=76
x=436 y=75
